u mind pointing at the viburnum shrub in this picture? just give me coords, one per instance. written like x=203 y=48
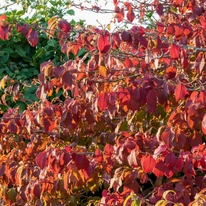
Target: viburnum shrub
x=130 y=128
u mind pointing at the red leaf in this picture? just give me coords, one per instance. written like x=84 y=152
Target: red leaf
x=179 y=30
x=67 y=119
x=12 y=127
x=64 y=159
x=170 y=160
x=159 y=9
x=3 y=22
x=119 y=14
x=203 y=163
x=108 y=150
x=130 y=15
x=98 y=155
x=160 y=169
x=179 y=164
x=151 y=101
x=104 y=43
x=167 y=137
x=32 y=37
x=41 y=159
x=204 y=124
x=64 y=26
x=67 y=78
x=128 y=5
x=170 y=72
x=184 y=59
x=159 y=150
x=49 y=125
x=200 y=62
x=203 y=21
x=148 y=163
x=103 y=100
x=89 y=116
x=174 y=51
x=36 y=190
x=180 y=92
x=81 y=161
x=128 y=62
x=4 y=32
x=124 y=95
x=188 y=169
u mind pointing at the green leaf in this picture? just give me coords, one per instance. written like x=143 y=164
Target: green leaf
x=136 y=200
x=150 y=14
x=8 y=50
x=81 y=52
x=39 y=53
x=20 y=13
x=71 y=12
x=22 y=106
x=12 y=194
x=4 y=58
x=52 y=42
x=20 y=51
x=3 y=108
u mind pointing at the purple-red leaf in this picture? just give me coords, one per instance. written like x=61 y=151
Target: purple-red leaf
x=41 y=159
x=81 y=161
x=32 y=37
x=4 y=32
x=130 y=15
x=159 y=9
x=64 y=26
x=151 y=101
x=67 y=78
x=23 y=28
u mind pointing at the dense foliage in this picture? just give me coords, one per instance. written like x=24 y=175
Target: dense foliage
x=114 y=118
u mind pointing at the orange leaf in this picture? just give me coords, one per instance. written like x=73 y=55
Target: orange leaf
x=52 y=25
x=103 y=70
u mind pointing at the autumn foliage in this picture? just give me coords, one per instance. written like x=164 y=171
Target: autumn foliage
x=131 y=128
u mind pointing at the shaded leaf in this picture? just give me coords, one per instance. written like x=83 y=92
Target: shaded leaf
x=151 y=101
